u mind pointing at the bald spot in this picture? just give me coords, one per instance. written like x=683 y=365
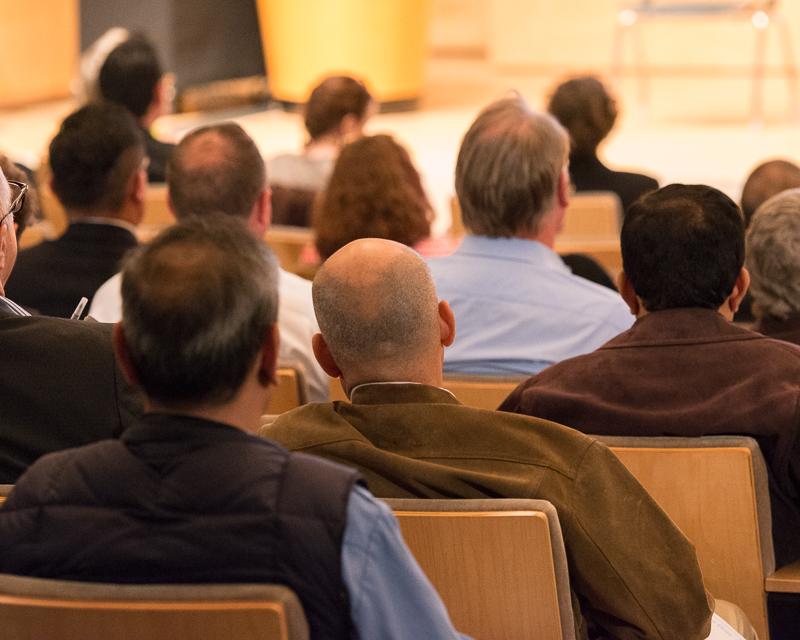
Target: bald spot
x=207 y=150
x=376 y=305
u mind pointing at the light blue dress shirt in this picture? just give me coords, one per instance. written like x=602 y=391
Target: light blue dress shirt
x=390 y=596
x=519 y=308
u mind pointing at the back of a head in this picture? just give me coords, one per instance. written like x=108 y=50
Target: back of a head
x=216 y=169
x=376 y=306
x=374 y=192
x=196 y=306
x=508 y=168
x=683 y=246
x=130 y=74
x=333 y=99
x=773 y=256
x=587 y=111
x=766 y=180
x=93 y=156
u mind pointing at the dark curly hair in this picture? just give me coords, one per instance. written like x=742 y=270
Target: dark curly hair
x=586 y=110
x=374 y=192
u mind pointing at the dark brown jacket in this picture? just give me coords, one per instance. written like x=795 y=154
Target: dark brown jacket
x=633 y=574
x=788 y=330
x=686 y=372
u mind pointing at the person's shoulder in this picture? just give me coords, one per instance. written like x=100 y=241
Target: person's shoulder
x=52 y=329
x=291 y=283
x=304 y=426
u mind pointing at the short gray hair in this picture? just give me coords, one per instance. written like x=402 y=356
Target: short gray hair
x=773 y=256
x=508 y=168
x=196 y=305
x=388 y=316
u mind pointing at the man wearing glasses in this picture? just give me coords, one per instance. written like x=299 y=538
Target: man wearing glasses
x=12 y=197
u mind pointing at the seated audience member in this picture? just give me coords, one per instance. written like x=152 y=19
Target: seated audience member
x=766 y=180
x=384 y=332
x=684 y=369
x=218 y=169
x=187 y=494
x=335 y=114
x=28 y=208
x=773 y=259
x=97 y=163
x=587 y=111
x=59 y=387
x=519 y=307
x=374 y=192
x=132 y=77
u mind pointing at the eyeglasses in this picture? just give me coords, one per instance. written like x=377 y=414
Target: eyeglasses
x=16 y=200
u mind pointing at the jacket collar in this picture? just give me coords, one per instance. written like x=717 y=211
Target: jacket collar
x=680 y=326
x=400 y=393
x=175 y=427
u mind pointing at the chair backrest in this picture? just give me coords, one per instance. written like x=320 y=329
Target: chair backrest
x=715 y=489
x=37 y=608
x=479 y=391
x=292 y=206
x=593 y=214
x=499 y=565
x=157 y=214
x=289 y=244
x=290 y=392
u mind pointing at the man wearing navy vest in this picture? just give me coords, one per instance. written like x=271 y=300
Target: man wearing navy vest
x=188 y=495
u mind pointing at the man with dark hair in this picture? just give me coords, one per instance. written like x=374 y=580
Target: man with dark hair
x=59 y=387
x=188 y=494
x=766 y=180
x=518 y=306
x=383 y=332
x=684 y=369
x=97 y=161
x=218 y=169
x=132 y=77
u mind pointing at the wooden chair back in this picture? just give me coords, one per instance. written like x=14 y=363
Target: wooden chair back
x=715 y=490
x=593 y=214
x=481 y=392
x=290 y=392
x=499 y=565
x=37 y=608
x=289 y=245
x=157 y=214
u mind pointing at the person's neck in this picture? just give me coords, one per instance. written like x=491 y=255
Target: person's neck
x=433 y=378
x=325 y=146
x=231 y=414
x=121 y=217
x=546 y=237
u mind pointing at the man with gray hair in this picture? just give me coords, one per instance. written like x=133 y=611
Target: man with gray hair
x=384 y=332
x=218 y=169
x=773 y=258
x=187 y=494
x=519 y=308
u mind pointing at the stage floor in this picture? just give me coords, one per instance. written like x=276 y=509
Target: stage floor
x=695 y=131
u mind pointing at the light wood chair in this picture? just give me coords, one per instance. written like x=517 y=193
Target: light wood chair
x=157 y=214
x=290 y=392
x=289 y=244
x=499 y=565
x=37 y=608
x=715 y=489
x=481 y=392
x=593 y=214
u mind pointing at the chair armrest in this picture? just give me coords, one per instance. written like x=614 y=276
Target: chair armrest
x=785 y=580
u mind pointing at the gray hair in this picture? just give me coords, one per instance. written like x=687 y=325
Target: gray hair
x=217 y=168
x=773 y=256
x=196 y=306
x=508 y=168
x=386 y=315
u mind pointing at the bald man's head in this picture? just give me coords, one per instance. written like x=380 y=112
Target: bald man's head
x=377 y=309
x=216 y=169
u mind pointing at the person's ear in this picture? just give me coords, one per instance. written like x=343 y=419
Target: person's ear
x=563 y=188
x=261 y=215
x=740 y=288
x=268 y=363
x=122 y=353
x=324 y=356
x=447 y=323
x=628 y=293
x=350 y=128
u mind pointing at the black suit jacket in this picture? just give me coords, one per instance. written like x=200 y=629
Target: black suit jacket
x=59 y=388
x=589 y=174
x=51 y=277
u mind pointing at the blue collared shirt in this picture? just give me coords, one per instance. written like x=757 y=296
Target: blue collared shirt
x=390 y=596
x=519 y=308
